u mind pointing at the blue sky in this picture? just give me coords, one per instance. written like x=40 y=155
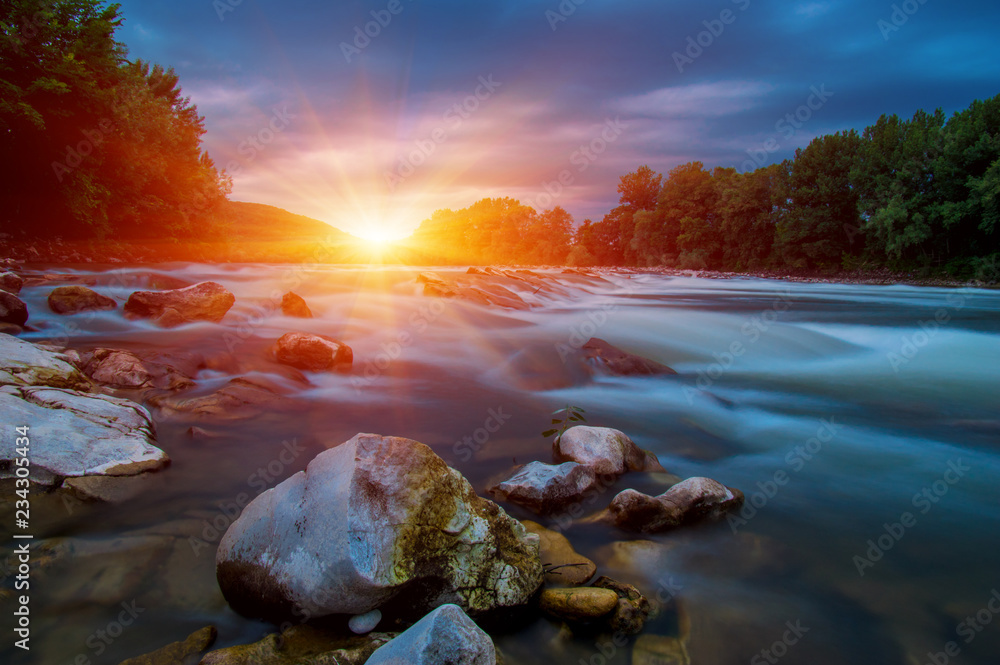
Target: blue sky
x=363 y=132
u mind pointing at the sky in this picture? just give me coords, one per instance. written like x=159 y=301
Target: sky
x=370 y=115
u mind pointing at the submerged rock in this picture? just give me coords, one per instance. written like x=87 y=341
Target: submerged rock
x=373 y=521
x=631 y=610
x=563 y=565
x=607 y=451
x=315 y=353
x=240 y=398
x=76 y=299
x=689 y=501
x=546 y=488
x=445 y=636
x=188 y=651
x=293 y=305
x=301 y=645
x=25 y=364
x=12 y=309
x=118 y=368
x=83 y=435
x=477 y=291
x=579 y=603
x=11 y=282
x=621 y=363
x=207 y=301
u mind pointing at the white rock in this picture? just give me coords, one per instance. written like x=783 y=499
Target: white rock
x=25 y=364
x=608 y=451
x=446 y=636
x=75 y=434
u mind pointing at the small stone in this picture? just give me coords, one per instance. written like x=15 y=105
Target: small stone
x=446 y=636
x=688 y=501
x=578 y=604
x=314 y=353
x=546 y=488
x=362 y=624
x=608 y=451
x=632 y=608
x=75 y=299
x=207 y=301
x=563 y=565
x=11 y=282
x=12 y=309
x=293 y=305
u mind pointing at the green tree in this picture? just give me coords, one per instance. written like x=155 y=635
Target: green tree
x=822 y=204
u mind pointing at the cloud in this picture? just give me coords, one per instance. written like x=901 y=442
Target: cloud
x=700 y=100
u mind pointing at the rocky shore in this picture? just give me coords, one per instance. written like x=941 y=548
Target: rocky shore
x=378 y=552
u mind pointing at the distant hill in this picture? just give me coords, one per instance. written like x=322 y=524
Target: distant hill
x=258 y=222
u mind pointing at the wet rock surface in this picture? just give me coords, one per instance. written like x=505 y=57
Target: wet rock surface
x=75 y=299
x=445 y=635
x=607 y=451
x=315 y=353
x=207 y=301
x=689 y=501
x=546 y=488
x=367 y=521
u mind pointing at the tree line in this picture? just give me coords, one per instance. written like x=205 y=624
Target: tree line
x=95 y=144
x=922 y=193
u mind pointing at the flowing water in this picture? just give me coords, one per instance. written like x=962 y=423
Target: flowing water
x=836 y=409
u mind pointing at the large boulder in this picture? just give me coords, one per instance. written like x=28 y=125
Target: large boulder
x=546 y=488
x=77 y=434
x=617 y=362
x=207 y=301
x=315 y=353
x=608 y=451
x=11 y=282
x=446 y=636
x=375 y=522
x=689 y=501
x=25 y=364
x=12 y=309
x=76 y=299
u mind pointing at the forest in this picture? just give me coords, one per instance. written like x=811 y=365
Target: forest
x=918 y=194
x=97 y=146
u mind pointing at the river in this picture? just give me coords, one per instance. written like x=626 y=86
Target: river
x=862 y=422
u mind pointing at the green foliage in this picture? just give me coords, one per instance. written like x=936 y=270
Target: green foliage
x=923 y=192
x=104 y=145
x=564 y=418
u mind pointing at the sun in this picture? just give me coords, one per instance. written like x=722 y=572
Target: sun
x=376 y=237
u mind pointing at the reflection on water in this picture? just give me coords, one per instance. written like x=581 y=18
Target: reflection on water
x=858 y=398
